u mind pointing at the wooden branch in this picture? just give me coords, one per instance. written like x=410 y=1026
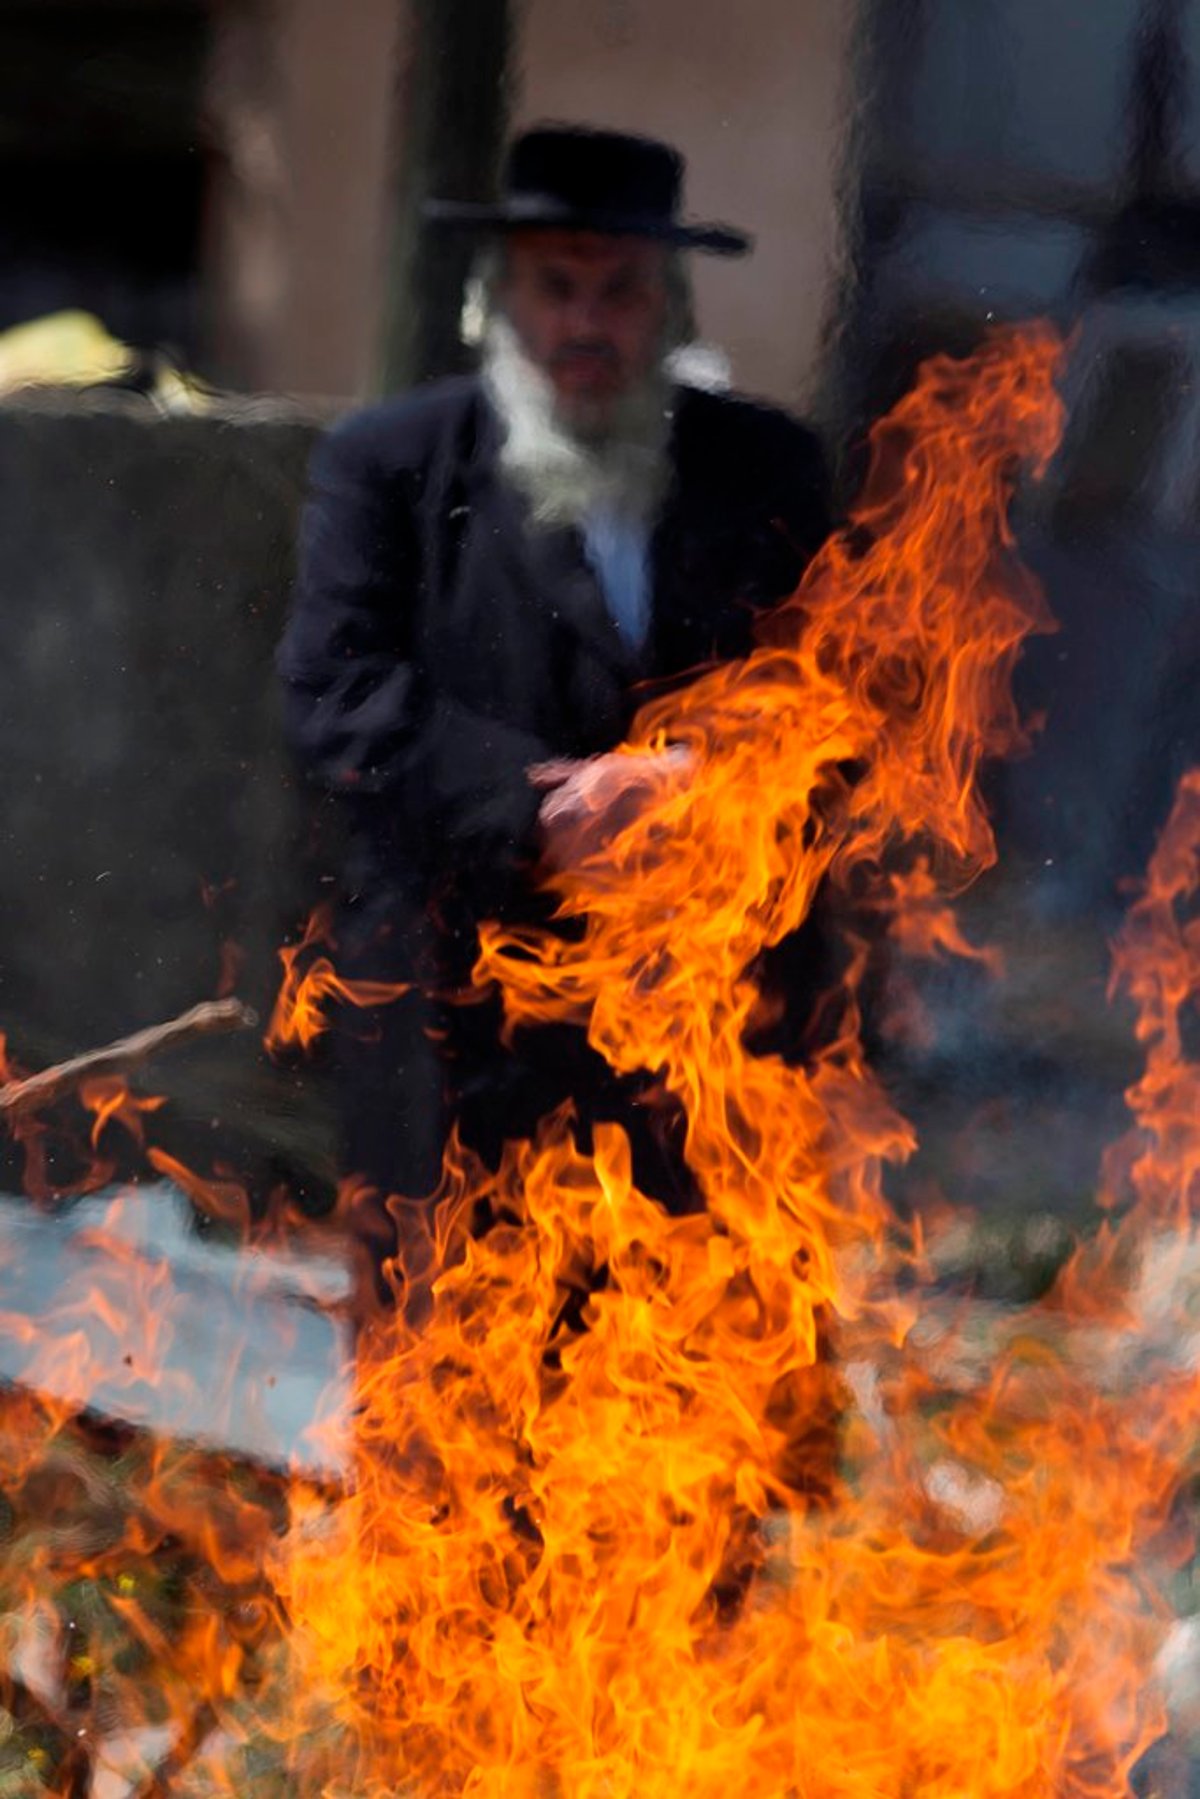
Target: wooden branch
x=213 y=1018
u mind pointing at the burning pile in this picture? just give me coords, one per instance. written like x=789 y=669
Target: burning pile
x=657 y=1505
x=733 y=1504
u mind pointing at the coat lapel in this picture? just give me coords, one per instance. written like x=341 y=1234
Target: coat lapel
x=548 y=566
x=564 y=577
x=671 y=559
x=700 y=613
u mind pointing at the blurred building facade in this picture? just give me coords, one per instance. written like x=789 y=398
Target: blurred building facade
x=240 y=180
x=333 y=135
x=104 y=168
x=1016 y=160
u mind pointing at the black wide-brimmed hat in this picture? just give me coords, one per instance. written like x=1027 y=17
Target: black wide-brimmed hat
x=573 y=178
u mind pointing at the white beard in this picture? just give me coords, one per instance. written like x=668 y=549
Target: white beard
x=565 y=476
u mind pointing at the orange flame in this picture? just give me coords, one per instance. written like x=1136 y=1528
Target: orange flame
x=662 y=1505
x=309 y=982
x=110 y=1100
x=1157 y=960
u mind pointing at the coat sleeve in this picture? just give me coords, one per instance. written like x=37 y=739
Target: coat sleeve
x=359 y=710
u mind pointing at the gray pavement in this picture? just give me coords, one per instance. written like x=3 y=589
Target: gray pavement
x=115 y=1301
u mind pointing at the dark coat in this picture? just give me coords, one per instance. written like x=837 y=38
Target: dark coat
x=438 y=646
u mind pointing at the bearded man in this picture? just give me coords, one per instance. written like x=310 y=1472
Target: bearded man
x=492 y=570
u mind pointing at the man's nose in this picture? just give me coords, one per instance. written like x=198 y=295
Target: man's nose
x=585 y=316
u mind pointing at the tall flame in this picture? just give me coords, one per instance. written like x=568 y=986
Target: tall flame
x=655 y=1505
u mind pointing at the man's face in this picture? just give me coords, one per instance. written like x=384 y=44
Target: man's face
x=590 y=311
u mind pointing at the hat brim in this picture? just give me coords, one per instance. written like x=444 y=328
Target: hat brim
x=717 y=240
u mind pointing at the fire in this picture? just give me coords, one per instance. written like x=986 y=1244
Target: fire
x=110 y=1101
x=310 y=981
x=1157 y=959
x=660 y=1505
x=738 y=1503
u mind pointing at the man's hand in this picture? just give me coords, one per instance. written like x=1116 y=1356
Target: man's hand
x=588 y=802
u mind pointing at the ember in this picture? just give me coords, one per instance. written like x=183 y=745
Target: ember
x=733 y=1503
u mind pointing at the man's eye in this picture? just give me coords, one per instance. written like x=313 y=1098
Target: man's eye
x=556 y=287
x=624 y=289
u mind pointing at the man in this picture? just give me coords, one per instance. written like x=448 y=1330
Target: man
x=492 y=570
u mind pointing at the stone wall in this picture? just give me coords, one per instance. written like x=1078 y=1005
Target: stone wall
x=149 y=812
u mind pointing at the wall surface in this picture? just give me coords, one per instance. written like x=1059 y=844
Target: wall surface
x=303 y=107
x=755 y=96
x=150 y=816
